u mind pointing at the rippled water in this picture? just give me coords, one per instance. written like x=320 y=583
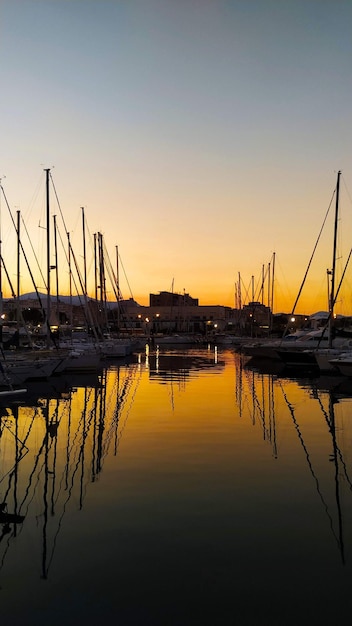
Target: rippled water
x=181 y=488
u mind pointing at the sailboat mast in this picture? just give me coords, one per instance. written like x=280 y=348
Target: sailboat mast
x=332 y=291
x=47 y=172
x=239 y=291
x=272 y=284
x=271 y=309
x=269 y=285
x=95 y=268
x=18 y=267
x=269 y=293
x=56 y=270
x=1 y=295
x=84 y=252
x=118 y=287
x=70 y=278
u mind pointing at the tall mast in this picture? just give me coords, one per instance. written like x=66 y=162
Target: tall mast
x=84 y=252
x=269 y=285
x=95 y=268
x=47 y=172
x=271 y=310
x=70 y=278
x=56 y=270
x=118 y=288
x=332 y=292
x=1 y=294
x=269 y=293
x=239 y=291
x=272 y=284
x=18 y=266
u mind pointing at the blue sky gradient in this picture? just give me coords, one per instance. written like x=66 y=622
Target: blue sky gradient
x=200 y=136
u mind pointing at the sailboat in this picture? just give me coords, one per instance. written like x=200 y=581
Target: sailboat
x=326 y=347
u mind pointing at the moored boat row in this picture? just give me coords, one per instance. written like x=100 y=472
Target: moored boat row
x=322 y=359
x=16 y=368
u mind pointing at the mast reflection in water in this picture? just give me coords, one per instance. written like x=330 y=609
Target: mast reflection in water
x=180 y=488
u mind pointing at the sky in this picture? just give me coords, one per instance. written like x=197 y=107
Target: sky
x=202 y=137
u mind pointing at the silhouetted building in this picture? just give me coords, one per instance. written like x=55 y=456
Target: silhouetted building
x=167 y=298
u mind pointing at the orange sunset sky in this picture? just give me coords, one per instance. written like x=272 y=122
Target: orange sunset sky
x=200 y=137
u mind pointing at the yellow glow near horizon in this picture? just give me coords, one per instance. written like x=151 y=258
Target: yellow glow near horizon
x=193 y=178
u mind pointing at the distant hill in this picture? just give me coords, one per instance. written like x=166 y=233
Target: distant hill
x=76 y=300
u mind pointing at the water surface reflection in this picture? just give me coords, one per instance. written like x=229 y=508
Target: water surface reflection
x=182 y=487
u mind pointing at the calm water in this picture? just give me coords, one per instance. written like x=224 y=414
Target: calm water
x=181 y=488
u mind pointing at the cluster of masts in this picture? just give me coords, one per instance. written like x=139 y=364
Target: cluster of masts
x=262 y=292
x=103 y=268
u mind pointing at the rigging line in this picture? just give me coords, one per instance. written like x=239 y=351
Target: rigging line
x=90 y=242
x=58 y=202
x=297 y=428
x=312 y=255
x=11 y=289
x=125 y=275
x=346 y=189
x=35 y=195
x=72 y=275
x=335 y=298
x=247 y=298
x=86 y=309
x=112 y=275
x=66 y=230
x=34 y=253
x=24 y=254
x=342 y=277
x=113 y=280
x=277 y=280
